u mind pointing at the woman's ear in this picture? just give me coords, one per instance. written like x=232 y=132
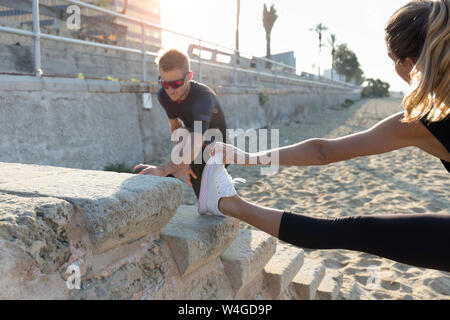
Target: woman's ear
x=190 y=75
x=410 y=63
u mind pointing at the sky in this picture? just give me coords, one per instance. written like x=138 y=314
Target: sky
x=358 y=23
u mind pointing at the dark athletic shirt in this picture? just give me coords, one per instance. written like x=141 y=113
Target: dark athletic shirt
x=201 y=104
x=441 y=130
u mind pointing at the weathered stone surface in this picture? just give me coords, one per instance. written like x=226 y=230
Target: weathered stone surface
x=212 y=285
x=247 y=255
x=207 y=282
x=255 y=290
x=282 y=268
x=34 y=247
x=194 y=240
x=308 y=279
x=330 y=285
x=37 y=226
x=117 y=207
x=122 y=272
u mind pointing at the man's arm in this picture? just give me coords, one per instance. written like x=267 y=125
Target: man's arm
x=175 y=124
x=190 y=147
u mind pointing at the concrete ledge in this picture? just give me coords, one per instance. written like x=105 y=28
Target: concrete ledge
x=20 y=83
x=282 y=268
x=30 y=83
x=195 y=240
x=117 y=207
x=247 y=255
x=103 y=86
x=64 y=85
x=308 y=279
x=134 y=87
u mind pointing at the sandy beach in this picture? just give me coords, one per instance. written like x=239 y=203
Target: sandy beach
x=400 y=182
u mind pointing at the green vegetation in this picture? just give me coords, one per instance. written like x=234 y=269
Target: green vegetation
x=346 y=64
x=375 y=88
x=262 y=99
x=121 y=167
x=347 y=103
x=102 y=3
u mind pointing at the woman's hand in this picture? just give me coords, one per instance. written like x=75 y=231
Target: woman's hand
x=231 y=154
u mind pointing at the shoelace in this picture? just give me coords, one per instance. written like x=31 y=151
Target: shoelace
x=227 y=189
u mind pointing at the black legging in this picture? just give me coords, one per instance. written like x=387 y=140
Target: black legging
x=421 y=240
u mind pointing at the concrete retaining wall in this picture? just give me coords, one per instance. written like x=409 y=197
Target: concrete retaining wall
x=89 y=124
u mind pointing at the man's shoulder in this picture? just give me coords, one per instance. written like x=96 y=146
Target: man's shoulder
x=202 y=88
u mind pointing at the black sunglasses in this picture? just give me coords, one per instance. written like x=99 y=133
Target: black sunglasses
x=173 y=84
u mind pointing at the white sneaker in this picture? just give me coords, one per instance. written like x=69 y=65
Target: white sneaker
x=216 y=184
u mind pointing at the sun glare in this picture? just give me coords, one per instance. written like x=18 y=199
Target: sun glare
x=359 y=24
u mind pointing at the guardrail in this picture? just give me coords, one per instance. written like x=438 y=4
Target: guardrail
x=38 y=35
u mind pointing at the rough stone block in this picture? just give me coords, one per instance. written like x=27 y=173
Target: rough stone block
x=195 y=240
x=34 y=247
x=282 y=268
x=330 y=285
x=117 y=207
x=308 y=279
x=247 y=255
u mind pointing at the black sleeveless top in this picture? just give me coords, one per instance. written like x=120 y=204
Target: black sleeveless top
x=441 y=130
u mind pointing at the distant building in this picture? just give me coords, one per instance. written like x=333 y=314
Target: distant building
x=101 y=27
x=331 y=74
x=286 y=58
x=146 y=10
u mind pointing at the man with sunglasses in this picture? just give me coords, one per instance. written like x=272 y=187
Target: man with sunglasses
x=186 y=102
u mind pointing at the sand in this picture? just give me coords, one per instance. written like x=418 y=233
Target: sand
x=403 y=181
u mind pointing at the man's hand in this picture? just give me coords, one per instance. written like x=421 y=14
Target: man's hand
x=149 y=170
x=188 y=174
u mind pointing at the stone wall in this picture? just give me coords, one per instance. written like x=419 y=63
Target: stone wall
x=89 y=124
x=127 y=237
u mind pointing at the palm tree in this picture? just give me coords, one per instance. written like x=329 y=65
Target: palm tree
x=333 y=44
x=320 y=29
x=269 y=18
x=238 y=13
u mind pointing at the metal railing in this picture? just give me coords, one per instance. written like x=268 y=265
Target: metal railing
x=38 y=35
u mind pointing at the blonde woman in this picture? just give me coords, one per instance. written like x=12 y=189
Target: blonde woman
x=418 y=42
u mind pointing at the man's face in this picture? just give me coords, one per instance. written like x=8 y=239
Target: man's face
x=173 y=75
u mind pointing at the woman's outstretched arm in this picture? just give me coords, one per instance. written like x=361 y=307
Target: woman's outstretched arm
x=387 y=135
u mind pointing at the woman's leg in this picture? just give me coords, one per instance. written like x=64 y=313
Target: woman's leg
x=416 y=239
x=265 y=219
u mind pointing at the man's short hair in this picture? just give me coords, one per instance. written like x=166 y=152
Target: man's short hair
x=173 y=59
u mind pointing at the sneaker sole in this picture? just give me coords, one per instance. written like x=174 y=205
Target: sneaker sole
x=202 y=201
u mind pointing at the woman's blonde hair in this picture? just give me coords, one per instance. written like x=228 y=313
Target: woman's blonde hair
x=420 y=31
